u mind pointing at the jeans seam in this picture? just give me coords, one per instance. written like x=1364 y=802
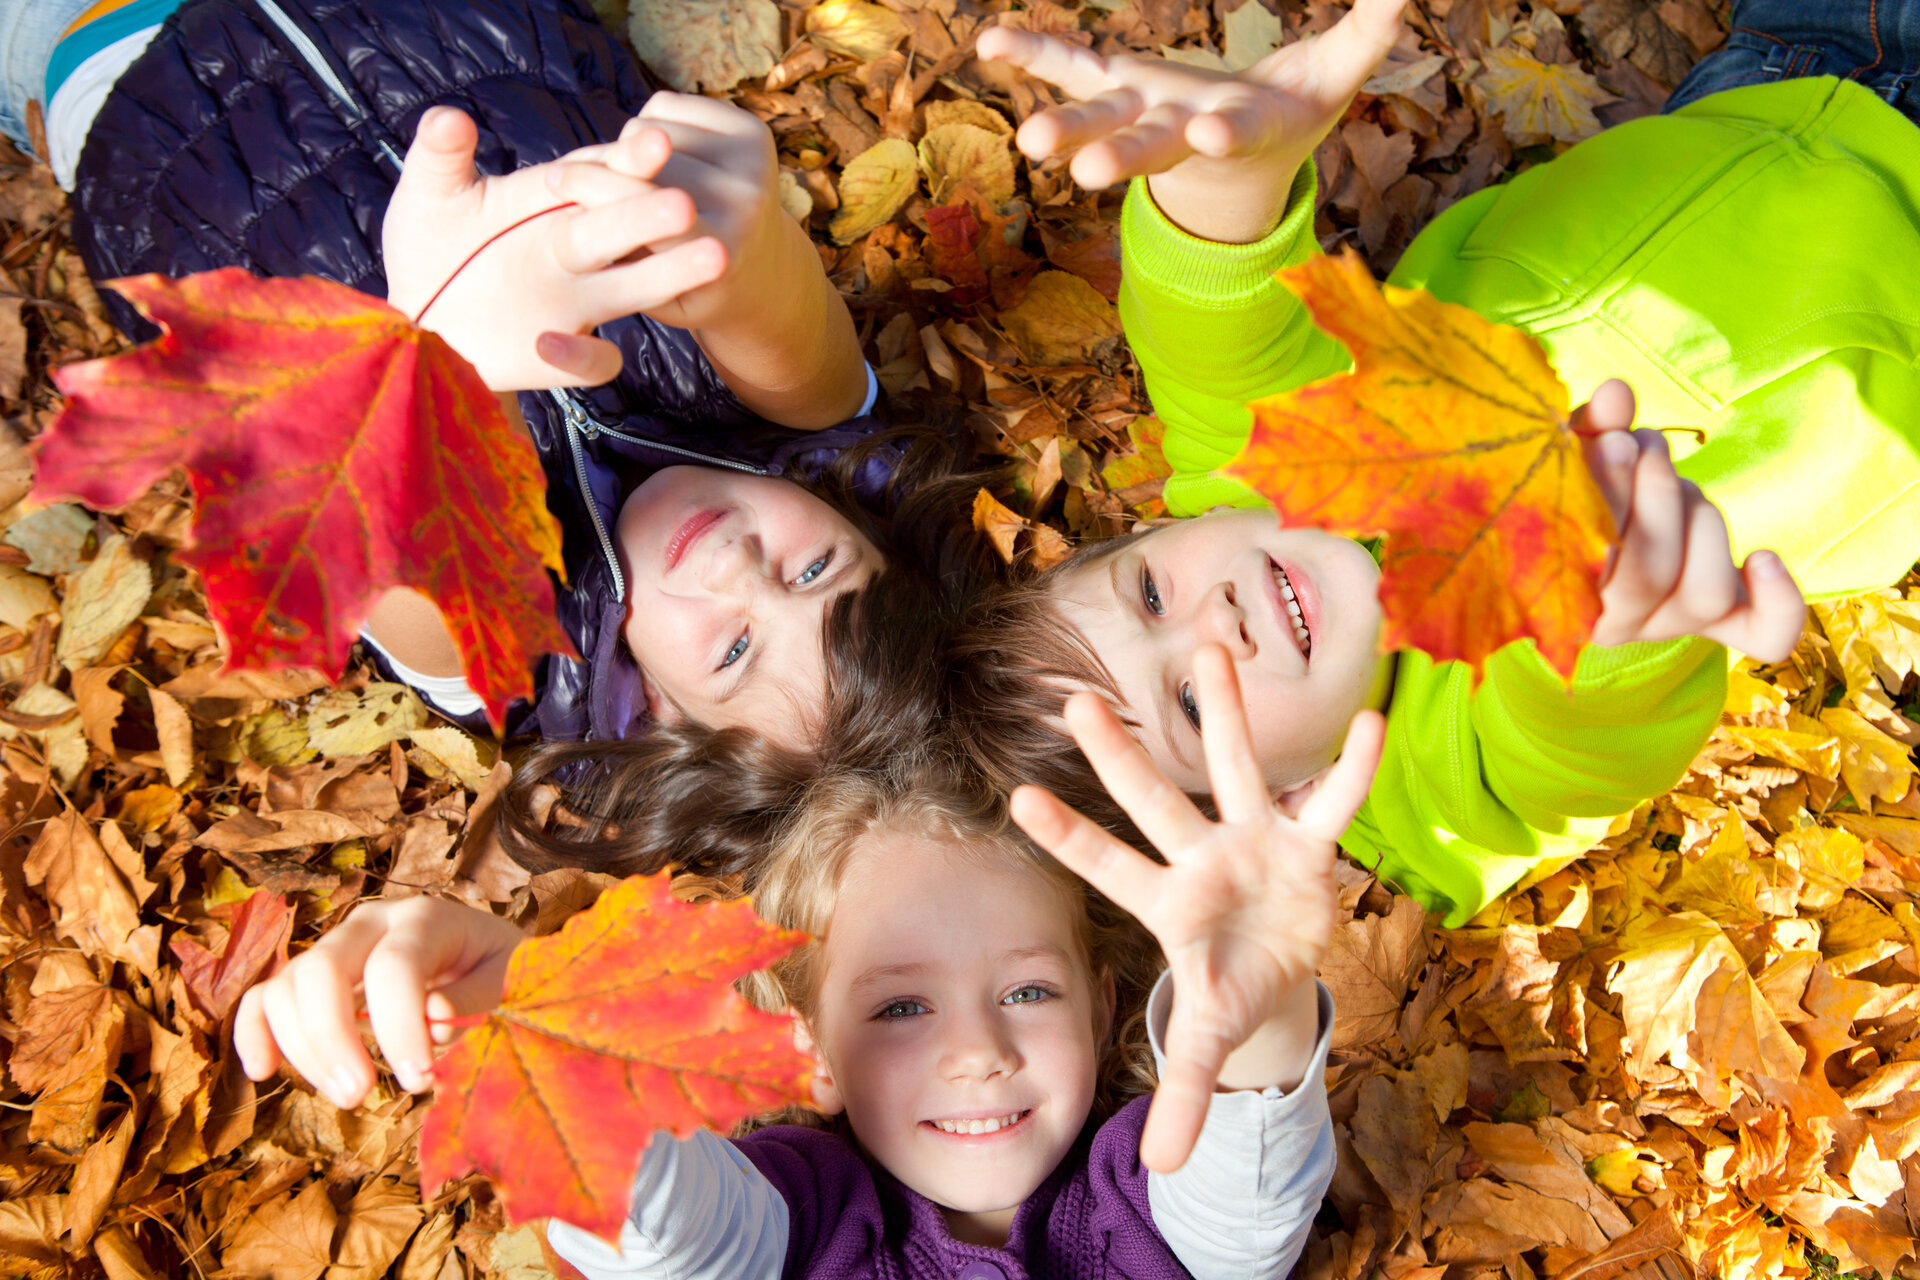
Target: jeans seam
x=1873 y=28
x=1764 y=35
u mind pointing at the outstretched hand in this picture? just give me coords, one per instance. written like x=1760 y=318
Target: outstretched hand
x=413 y=960
x=1673 y=573
x=523 y=310
x=1222 y=149
x=1244 y=907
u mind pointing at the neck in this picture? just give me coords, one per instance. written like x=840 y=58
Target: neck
x=988 y=1229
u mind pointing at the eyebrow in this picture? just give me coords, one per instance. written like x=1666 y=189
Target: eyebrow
x=884 y=973
x=1167 y=702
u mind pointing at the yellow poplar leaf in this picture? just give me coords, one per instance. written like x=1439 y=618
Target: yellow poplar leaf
x=457 y=752
x=855 y=28
x=953 y=153
x=1001 y=525
x=1249 y=34
x=712 y=44
x=1062 y=320
x=965 y=111
x=1873 y=765
x=106 y=595
x=873 y=187
x=1540 y=100
x=344 y=723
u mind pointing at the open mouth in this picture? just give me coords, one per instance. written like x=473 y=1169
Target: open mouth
x=1302 y=636
x=979 y=1126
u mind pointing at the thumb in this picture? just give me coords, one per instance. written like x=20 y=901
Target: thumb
x=582 y=360
x=439 y=164
x=1776 y=615
x=1346 y=54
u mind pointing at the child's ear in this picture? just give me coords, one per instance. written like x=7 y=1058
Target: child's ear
x=826 y=1094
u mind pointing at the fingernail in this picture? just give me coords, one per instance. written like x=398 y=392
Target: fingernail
x=414 y=1077
x=1619 y=448
x=1768 y=565
x=342 y=1088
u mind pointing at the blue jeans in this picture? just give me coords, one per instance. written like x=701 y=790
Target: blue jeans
x=28 y=31
x=1873 y=42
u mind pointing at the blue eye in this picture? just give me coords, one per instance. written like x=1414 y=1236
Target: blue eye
x=1150 y=593
x=736 y=653
x=814 y=570
x=1028 y=995
x=1190 y=707
x=900 y=1009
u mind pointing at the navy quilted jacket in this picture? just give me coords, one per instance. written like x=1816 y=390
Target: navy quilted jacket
x=268 y=134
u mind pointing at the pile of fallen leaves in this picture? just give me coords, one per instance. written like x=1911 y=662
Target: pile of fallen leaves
x=1694 y=1051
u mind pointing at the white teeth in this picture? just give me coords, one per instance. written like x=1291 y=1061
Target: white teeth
x=992 y=1124
x=1286 y=589
x=1300 y=632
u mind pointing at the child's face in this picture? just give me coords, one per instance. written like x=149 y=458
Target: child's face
x=1223 y=578
x=954 y=995
x=729 y=578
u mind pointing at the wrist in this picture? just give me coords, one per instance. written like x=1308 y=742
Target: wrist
x=1235 y=201
x=1280 y=1050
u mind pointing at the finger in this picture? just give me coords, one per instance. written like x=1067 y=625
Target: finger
x=1651 y=542
x=439 y=164
x=321 y=1016
x=396 y=980
x=1328 y=811
x=594 y=238
x=1610 y=458
x=252 y=1039
x=640 y=150
x=715 y=115
x=1239 y=790
x=1769 y=627
x=581 y=359
x=1229 y=129
x=1078 y=123
x=1179 y=1108
x=656 y=279
x=1117 y=870
x=1161 y=810
x=1710 y=587
x=1079 y=72
x=592 y=185
x=1152 y=144
x=1346 y=54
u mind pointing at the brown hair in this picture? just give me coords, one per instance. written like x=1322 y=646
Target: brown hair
x=712 y=799
x=934 y=794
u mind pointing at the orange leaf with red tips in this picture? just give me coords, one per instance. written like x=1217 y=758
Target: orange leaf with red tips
x=335 y=450
x=257 y=937
x=1450 y=436
x=623 y=1023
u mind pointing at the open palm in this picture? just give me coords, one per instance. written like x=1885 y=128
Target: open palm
x=1243 y=908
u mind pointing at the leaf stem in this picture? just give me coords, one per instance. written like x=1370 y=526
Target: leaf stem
x=1699 y=434
x=466 y=261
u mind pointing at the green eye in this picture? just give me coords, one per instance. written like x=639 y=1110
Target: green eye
x=1027 y=995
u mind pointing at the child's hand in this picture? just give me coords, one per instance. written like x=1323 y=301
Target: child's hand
x=1222 y=150
x=414 y=959
x=1673 y=572
x=522 y=311
x=1243 y=909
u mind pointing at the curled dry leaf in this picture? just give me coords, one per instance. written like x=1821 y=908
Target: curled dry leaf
x=705 y=44
x=951 y=154
x=855 y=28
x=1062 y=320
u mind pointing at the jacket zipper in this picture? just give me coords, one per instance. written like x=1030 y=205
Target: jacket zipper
x=342 y=95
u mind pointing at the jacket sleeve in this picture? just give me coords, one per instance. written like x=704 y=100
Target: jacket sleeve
x=700 y=1211
x=1212 y=329
x=1240 y=1206
x=1478 y=787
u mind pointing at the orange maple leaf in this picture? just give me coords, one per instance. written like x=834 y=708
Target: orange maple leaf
x=1450 y=437
x=335 y=449
x=623 y=1023
x=257 y=938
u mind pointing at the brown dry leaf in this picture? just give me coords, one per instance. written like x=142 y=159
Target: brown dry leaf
x=97 y=910
x=97 y=1177
x=53 y=538
x=1248 y=34
x=121 y=1257
x=23 y=597
x=290 y=1238
x=705 y=44
x=1001 y=525
x=175 y=727
x=456 y=752
x=1062 y=320
x=855 y=28
x=1539 y=100
x=105 y=598
x=951 y=154
x=963 y=111
x=1369 y=966
x=377 y=1225
x=69 y=1043
x=873 y=187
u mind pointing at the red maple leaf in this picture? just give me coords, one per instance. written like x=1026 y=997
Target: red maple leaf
x=1450 y=437
x=335 y=450
x=623 y=1023
x=256 y=938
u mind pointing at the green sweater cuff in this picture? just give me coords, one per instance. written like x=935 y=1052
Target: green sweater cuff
x=1205 y=273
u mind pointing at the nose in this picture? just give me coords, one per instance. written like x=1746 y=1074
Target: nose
x=1219 y=619
x=979 y=1047
x=733 y=566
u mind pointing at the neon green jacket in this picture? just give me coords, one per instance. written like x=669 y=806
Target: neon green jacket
x=1751 y=266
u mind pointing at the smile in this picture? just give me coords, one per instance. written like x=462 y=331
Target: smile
x=689 y=533
x=1302 y=637
x=980 y=1125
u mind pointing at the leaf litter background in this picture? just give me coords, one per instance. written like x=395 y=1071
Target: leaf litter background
x=1693 y=1052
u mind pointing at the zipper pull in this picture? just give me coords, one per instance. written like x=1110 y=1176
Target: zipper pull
x=577 y=418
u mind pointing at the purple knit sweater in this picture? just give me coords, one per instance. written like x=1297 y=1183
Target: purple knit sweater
x=1088 y=1221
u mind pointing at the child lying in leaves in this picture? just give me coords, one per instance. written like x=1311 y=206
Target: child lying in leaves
x=1660 y=251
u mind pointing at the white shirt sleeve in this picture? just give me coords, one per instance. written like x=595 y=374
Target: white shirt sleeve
x=873 y=393
x=1241 y=1204
x=700 y=1211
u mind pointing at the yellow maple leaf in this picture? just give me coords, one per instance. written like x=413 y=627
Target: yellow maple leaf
x=1541 y=100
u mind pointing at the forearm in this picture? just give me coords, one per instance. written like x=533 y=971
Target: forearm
x=794 y=357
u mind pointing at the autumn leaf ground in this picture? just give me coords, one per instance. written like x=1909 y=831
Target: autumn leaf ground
x=1693 y=1052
